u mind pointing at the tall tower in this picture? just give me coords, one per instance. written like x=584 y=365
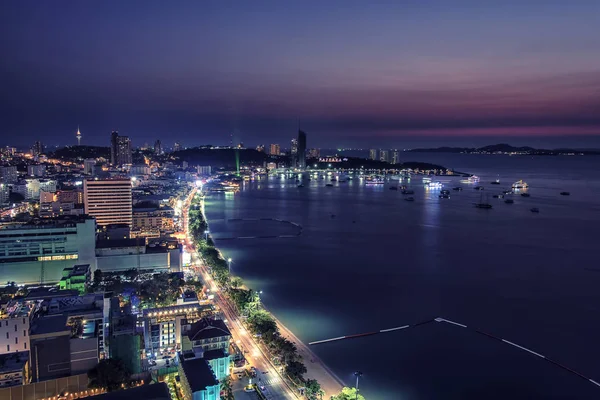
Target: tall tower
x=301 y=149
x=78 y=136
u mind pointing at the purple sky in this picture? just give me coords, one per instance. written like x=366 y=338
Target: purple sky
x=397 y=74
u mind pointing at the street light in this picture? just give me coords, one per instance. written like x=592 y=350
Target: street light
x=358 y=374
x=229 y=263
x=206 y=232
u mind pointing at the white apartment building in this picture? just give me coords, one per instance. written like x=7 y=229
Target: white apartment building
x=109 y=201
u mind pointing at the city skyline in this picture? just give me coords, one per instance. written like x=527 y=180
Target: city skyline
x=356 y=75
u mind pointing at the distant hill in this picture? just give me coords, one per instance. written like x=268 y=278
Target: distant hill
x=504 y=148
x=73 y=153
x=219 y=157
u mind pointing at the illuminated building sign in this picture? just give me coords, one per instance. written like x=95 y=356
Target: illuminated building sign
x=332 y=159
x=59 y=258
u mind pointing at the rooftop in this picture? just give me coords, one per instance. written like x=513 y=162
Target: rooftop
x=55 y=222
x=10 y=362
x=199 y=374
x=214 y=354
x=50 y=324
x=157 y=391
x=208 y=329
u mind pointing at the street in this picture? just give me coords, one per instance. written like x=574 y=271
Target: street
x=267 y=375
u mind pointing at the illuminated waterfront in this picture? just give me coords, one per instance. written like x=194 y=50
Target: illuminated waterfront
x=367 y=260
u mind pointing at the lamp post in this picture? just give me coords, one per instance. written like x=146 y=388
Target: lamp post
x=229 y=264
x=358 y=374
x=206 y=232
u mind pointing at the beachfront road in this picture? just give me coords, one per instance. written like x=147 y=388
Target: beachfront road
x=268 y=375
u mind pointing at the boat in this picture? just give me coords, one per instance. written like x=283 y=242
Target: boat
x=498 y=196
x=393 y=187
x=483 y=204
x=434 y=185
x=507 y=192
x=408 y=192
x=444 y=196
x=458 y=188
x=479 y=188
x=509 y=201
x=535 y=210
x=520 y=185
x=473 y=179
x=525 y=195
x=565 y=193
x=496 y=182
x=374 y=181
x=329 y=185
x=409 y=198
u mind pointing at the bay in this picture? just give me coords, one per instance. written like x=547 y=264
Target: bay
x=366 y=260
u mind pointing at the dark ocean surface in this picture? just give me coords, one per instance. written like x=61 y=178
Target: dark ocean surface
x=382 y=262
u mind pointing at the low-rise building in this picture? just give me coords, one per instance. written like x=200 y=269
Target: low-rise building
x=14 y=325
x=163 y=326
x=76 y=277
x=204 y=335
x=198 y=381
x=125 y=254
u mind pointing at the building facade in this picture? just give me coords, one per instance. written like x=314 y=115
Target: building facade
x=275 y=150
x=120 y=149
x=38 y=251
x=109 y=201
x=301 y=150
x=373 y=154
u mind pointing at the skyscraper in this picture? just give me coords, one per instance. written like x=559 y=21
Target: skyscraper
x=294 y=153
x=395 y=157
x=384 y=155
x=177 y=146
x=109 y=201
x=301 y=149
x=120 y=149
x=158 y=148
x=38 y=148
x=373 y=154
x=274 y=150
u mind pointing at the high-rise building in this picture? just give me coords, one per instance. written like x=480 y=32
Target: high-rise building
x=120 y=149
x=395 y=157
x=36 y=170
x=384 y=155
x=373 y=154
x=294 y=147
x=301 y=149
x=38 y=148
x=9 y=174
x=89 y=166
x=260 y=148
x=275 y=150
x=177 y=146
x=158 y=148
x=109 y=201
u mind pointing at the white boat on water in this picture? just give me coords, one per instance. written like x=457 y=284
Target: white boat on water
x=520 y=185
x=434 y=185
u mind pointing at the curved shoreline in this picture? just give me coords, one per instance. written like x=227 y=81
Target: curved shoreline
x=316 y=368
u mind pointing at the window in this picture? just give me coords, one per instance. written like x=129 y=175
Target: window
x=25 y=345
x=16 y=340
x=23 y=321
x=7 y=335
x=8 y=347
x=15 y=327
x=24 y=332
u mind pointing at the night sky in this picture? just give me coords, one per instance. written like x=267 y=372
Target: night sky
x=392 y=74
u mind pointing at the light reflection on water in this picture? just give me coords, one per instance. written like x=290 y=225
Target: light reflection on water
x=383 y=262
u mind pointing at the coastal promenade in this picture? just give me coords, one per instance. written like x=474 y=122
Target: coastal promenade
x=269 y=375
